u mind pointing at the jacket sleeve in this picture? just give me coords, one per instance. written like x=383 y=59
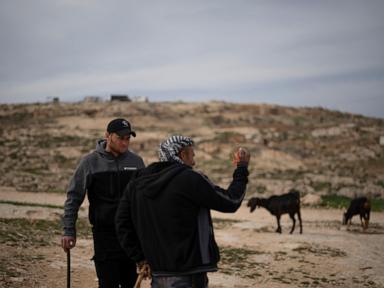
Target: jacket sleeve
x=224 y=200
x=126 y=232
x=75 y=197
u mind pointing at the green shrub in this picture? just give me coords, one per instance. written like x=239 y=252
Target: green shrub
x=377 y=204
x=380 y=183
x=335 y=201
x=261 y=189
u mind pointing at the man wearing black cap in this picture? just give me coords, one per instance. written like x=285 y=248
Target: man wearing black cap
x=103 y=175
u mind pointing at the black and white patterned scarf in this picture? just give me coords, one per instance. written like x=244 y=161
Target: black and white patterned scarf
x=170 y=148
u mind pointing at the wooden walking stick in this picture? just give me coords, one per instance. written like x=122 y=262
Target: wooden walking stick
x=69 y=268
x=138 y=281
x=144 y=272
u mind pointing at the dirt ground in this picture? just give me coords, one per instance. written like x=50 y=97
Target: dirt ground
x=253 y=255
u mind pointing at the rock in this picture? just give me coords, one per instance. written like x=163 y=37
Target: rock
x=16 y=279
x=311 y=199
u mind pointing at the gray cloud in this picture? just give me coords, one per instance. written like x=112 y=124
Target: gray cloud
x=323 y=53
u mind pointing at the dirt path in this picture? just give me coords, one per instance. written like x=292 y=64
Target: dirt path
x=325 y=255
x=8 y=210
x=253 y=255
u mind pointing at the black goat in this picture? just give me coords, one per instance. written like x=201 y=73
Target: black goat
x=358 y=206
x=278 y=205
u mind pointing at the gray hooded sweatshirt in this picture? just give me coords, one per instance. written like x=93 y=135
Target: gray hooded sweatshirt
x=103 y=177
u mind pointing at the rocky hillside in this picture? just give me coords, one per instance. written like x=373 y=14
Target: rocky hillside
x=312 y=149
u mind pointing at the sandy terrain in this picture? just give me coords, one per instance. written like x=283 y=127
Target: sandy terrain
x=325 y=255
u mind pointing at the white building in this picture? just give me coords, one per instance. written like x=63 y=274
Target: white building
x=140 y=99
x=92 y=99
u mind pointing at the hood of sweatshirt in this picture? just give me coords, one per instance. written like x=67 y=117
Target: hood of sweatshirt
x=100 y=147
x=157 y=176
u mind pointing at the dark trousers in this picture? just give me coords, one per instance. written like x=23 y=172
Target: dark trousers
x=115 y=273
x=199 y=280
x=113 y=268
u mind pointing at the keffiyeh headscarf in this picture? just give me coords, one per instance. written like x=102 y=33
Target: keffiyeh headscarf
x=170 y=148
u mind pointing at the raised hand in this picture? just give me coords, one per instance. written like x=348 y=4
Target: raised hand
x=241 y=155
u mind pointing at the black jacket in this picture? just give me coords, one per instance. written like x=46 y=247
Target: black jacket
x=164 y=217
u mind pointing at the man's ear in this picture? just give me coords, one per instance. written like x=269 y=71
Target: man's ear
x=106 y=134
x=181 y=154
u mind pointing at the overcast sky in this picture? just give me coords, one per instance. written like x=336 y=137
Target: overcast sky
x=296 y=53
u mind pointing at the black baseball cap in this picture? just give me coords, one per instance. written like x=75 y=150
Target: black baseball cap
x=121 y=127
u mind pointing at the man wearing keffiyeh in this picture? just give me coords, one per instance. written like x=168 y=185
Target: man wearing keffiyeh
x=164 y=215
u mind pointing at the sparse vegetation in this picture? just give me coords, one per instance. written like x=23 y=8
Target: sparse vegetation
x=26 y=233
x=238 y=261
x=64 y=162
x=380 y=183
x=320 y=251
x=17 y=203
x=230 y=137
x=321 y=186
x=35 y=233
x=29 y=158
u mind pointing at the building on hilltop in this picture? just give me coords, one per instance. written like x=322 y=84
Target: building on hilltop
x=94 y=99
x=124 y=98
x=140 y=99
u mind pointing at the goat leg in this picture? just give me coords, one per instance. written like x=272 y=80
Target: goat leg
x=366 y=222
x=349 y=222
x=361 y=220
x=301 y=225
x=294 y=222
x=278 y=230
